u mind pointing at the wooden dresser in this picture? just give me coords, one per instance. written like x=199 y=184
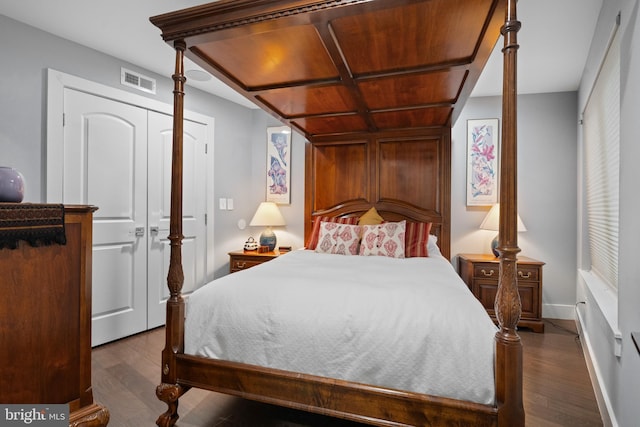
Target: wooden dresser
x=45 y=321
x=480 y=272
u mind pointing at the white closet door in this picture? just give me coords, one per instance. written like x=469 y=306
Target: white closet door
x=105 y=164
x=194 y=245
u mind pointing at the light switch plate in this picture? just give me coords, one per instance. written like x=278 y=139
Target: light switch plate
x=229 y=204
x=223 y=204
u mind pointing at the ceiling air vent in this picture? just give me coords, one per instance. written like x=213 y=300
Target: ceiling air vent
x=137 y=80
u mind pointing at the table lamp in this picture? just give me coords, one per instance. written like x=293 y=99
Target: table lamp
x=492 y=222
x=268 y=215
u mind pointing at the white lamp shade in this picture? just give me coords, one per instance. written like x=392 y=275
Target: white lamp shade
x=492 y=220
x=267 y=215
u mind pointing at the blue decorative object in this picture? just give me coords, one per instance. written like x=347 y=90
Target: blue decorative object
x=494 y=246
x=268 y=238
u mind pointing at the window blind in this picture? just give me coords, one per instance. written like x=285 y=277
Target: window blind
x=601 y=131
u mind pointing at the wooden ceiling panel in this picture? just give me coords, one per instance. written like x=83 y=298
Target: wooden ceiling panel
x=422 y=117
x=309 y=101
x=423 y=34
x=413 y=90
x=334 y=67
x=328 y=125
x=295 y=54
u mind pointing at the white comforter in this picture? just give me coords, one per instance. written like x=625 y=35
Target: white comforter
x=408 y=324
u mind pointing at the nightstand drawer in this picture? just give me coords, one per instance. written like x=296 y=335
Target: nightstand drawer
x=242 y=264
x=241 y=260
x=526 y=272
x=486 y=271
x=491 y=271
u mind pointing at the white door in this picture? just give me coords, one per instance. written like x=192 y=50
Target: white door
x=194 y=207
x=105 y=164
x=118 y=158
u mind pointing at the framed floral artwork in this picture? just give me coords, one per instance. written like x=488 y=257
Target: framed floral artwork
x=279 y=165
x=482 y=162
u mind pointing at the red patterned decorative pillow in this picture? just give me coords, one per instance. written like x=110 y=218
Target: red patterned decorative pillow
x=417 y=239
x=386 y=239
x=336 y=238
x=315 y=231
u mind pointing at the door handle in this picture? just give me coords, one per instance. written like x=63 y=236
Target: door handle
x=155 y=230
x=139 y=231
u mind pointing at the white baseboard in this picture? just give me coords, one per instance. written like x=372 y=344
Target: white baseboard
x=558 y=311
x=602 y=397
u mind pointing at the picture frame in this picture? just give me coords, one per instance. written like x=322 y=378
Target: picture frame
x=483 y=139
x=278 y=179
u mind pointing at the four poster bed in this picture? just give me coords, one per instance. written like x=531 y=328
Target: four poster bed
x=375 y=87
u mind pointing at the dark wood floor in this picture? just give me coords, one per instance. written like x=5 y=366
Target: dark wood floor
x=557 y=390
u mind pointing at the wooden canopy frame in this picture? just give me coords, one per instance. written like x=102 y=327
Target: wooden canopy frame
x=443 y=48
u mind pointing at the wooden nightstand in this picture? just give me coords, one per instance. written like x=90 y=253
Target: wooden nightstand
x=241 y=260
x=480 y=273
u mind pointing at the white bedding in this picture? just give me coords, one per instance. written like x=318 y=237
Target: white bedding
x=408 y=324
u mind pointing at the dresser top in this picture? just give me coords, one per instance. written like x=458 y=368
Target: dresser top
x=491 y=258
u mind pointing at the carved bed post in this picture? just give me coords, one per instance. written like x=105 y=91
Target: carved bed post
x=169 y=391
x=507 y=304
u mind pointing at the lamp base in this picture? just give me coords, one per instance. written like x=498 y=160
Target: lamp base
x=268 y=238
x=494 y=246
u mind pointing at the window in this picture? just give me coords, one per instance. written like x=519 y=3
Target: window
x=601 y=119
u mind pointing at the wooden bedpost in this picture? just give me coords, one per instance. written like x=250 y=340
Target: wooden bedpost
x=507 y=304
x=169 y=391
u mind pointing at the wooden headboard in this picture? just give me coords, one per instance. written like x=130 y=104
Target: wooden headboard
x=404 y=175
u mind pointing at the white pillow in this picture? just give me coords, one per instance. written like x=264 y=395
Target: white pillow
x=386 y=239
x=432 y=245
x=336 y=238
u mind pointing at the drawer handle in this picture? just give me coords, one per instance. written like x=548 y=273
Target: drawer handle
x=489 y=274
x=522 y=276
x=240 y=265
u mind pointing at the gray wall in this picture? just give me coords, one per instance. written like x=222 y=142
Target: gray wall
x=627 y=407
x=23 y=88
x=250 y=189
x=617 y=377
x=546 y=191
x=27 y=53
x=240 y=133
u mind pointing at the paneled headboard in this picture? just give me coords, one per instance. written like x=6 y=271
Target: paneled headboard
x=404 y=175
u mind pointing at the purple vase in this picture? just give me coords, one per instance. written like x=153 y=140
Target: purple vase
x=11 y=185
